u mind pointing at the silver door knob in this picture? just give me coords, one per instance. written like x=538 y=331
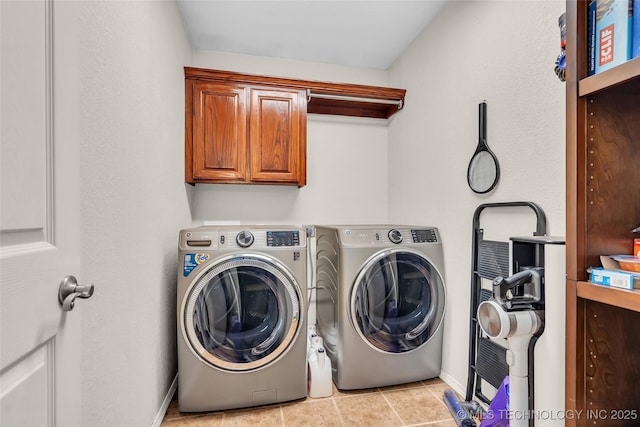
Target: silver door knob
x=70 y=290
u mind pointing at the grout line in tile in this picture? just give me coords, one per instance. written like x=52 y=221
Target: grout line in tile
x=392 y=408
x=335 y=405
x=431 y=391
x=439 y=398
x=282 y=415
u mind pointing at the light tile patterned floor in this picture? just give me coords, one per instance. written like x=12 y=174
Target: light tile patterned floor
x=415 y=404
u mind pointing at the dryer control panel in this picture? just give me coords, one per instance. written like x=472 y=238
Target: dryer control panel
x=394 y=235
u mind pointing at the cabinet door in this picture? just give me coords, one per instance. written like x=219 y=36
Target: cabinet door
x=219 y=126
x=277 y=136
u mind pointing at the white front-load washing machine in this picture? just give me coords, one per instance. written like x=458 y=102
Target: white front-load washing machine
x=241 y=316
x=380 y=303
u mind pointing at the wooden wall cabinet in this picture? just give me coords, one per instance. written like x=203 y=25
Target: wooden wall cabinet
x=278 y=136
x=603 y=205
x=219 y=132
x=252 y=129
x=245 y=134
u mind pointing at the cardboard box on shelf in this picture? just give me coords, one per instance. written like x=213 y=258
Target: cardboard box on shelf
x=615 y=278
x=610 y=274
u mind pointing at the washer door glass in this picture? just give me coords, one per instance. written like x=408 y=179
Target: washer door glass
x=397 y=302
x=243 y=312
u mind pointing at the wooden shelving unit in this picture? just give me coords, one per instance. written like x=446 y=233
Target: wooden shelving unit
x=629 y=300
x=621 y=74
x=603 y=205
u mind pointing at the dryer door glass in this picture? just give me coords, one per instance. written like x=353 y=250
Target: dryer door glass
x=398 y=301
x=243 y=313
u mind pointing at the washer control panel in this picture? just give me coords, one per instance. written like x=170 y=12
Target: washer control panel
x=283 y=238
x=244 y=239
x=198 y=239
x=424 y=236
x=212 y=238
x=395 y=236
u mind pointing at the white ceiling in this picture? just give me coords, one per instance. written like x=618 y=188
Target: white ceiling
x=359 y=33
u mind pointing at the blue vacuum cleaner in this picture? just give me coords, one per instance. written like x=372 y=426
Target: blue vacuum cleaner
x=461 y=411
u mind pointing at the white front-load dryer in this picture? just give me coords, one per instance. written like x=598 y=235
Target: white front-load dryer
x=241 y=316
x=380 y=303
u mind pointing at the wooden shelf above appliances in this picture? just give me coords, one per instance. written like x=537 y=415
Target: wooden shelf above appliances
x=341 y=99
x=355 y=101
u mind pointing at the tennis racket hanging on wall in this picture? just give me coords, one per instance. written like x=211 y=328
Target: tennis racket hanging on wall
x=484 y=171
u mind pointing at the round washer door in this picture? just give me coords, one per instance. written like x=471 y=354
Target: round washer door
x=243 y=312
x=397 y=301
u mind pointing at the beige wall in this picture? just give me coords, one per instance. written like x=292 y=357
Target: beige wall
x=133 y=202
x=502 y=52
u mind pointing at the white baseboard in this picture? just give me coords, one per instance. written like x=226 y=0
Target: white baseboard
x=455 y=385
x=166 y=402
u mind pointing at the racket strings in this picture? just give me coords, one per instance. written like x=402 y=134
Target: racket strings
x=483 y=172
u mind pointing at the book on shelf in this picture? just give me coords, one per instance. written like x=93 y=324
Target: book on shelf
x=635 y=30
x=591 y=34
x=613 y=33
x=610 y=274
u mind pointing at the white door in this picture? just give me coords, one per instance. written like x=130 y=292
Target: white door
x=39 y=213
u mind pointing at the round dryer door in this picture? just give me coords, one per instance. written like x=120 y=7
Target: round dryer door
x=243 y=312
x=398 y=300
